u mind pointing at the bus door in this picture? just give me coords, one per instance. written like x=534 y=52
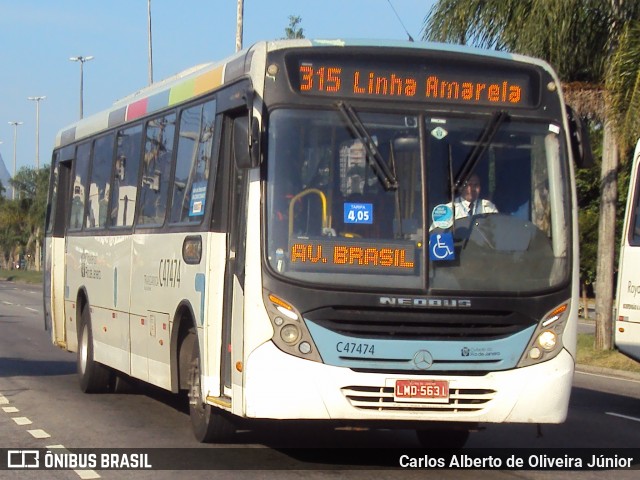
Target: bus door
x=233 y=220
x=55 y=245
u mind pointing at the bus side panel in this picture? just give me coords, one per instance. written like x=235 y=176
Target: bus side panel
x=627 y=321
x=161 y=283
x=100 y=265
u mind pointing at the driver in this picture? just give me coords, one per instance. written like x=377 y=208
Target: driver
x=469 y=202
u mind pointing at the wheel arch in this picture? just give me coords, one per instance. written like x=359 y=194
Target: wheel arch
x=183 y=324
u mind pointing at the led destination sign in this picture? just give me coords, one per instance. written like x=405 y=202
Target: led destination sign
x=474 y=85
x=352 y=256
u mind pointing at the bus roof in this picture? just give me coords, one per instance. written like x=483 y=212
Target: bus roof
x=207 y=77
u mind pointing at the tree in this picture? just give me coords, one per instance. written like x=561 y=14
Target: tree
x=292 y=31
x=22 y=219
x=582 y=40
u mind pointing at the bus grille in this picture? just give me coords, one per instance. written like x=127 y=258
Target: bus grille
x=381 y=399
x=420 y=325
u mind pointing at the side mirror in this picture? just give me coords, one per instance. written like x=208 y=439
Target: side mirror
x=246 y=143
x=580 y=143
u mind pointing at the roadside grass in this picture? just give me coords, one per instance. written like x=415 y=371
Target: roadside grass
x=587 y=355
x=21 y=276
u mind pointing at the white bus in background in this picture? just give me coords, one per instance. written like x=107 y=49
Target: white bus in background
x=274 y=234
x=627 y=310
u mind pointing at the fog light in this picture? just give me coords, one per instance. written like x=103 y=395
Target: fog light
x=278 y=321
x=535 y=353
x=290 y=333
x=547 y=340
x=304 y=347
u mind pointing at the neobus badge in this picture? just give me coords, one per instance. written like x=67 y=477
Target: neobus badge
x=426 y=302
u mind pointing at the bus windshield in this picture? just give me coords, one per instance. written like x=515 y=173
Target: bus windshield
x=333 y=219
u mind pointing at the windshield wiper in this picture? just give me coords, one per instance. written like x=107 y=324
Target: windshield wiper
x=378 y=165
x=485 y=139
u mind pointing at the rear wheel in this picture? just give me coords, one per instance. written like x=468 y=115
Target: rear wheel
x=93 y=376
x=209 y=423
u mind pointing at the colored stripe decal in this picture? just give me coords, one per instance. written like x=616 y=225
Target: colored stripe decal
x=137 y=109
x=117 y=117
x=158 y=101
x=208 y=81
x=182 y=92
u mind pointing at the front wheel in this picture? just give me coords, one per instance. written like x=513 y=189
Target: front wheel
x=209 y=423
x=93 y=376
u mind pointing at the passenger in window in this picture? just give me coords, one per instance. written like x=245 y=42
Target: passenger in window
x=469 y=202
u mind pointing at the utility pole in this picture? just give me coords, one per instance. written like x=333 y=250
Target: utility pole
x=150 y=42
x=37 y=100
x=239 y=26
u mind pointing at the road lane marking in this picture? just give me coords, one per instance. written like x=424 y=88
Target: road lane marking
x=87 y=474
x=22 y=420
x=614 y=414
x=7 y=303
x=39 y=433
x=32 y=309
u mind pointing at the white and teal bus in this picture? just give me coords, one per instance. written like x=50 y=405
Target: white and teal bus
x=627 y=308
x=275 y=235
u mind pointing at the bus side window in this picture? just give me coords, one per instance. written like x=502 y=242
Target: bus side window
x=156 y=170
x=193 y=163
x=100 y=185
x=125 y=178
x=78 y=193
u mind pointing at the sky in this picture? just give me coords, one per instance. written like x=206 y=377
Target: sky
x=39 y=36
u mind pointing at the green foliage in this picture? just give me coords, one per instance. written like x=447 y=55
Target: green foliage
x=294 y=30
x=22 y=219
x=623 y=85
x=577 y=48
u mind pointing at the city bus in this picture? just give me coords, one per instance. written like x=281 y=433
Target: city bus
x=627 y=307
x=275 y=235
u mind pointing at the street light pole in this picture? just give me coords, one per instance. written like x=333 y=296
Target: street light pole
x=150 y=42
x=239 y=24
x=37 y=100
x=81 y=60
x=15 y=142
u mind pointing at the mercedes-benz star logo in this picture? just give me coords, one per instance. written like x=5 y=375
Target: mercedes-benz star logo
x=422 y=360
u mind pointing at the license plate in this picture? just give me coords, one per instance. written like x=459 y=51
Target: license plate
x=436 y=391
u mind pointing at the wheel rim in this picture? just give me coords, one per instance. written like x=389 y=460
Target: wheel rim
x=195 y=396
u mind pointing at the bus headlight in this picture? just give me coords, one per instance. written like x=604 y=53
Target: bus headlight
x=290 y=333
x=546 y=341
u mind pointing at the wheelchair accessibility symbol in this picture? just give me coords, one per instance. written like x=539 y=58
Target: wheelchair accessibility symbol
x=441 y=247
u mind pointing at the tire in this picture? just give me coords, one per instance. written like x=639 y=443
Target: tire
x=210 y=424
x=93 y=376
x=453 y=437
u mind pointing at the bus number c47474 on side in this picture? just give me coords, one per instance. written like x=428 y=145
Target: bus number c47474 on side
x=169 y=272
